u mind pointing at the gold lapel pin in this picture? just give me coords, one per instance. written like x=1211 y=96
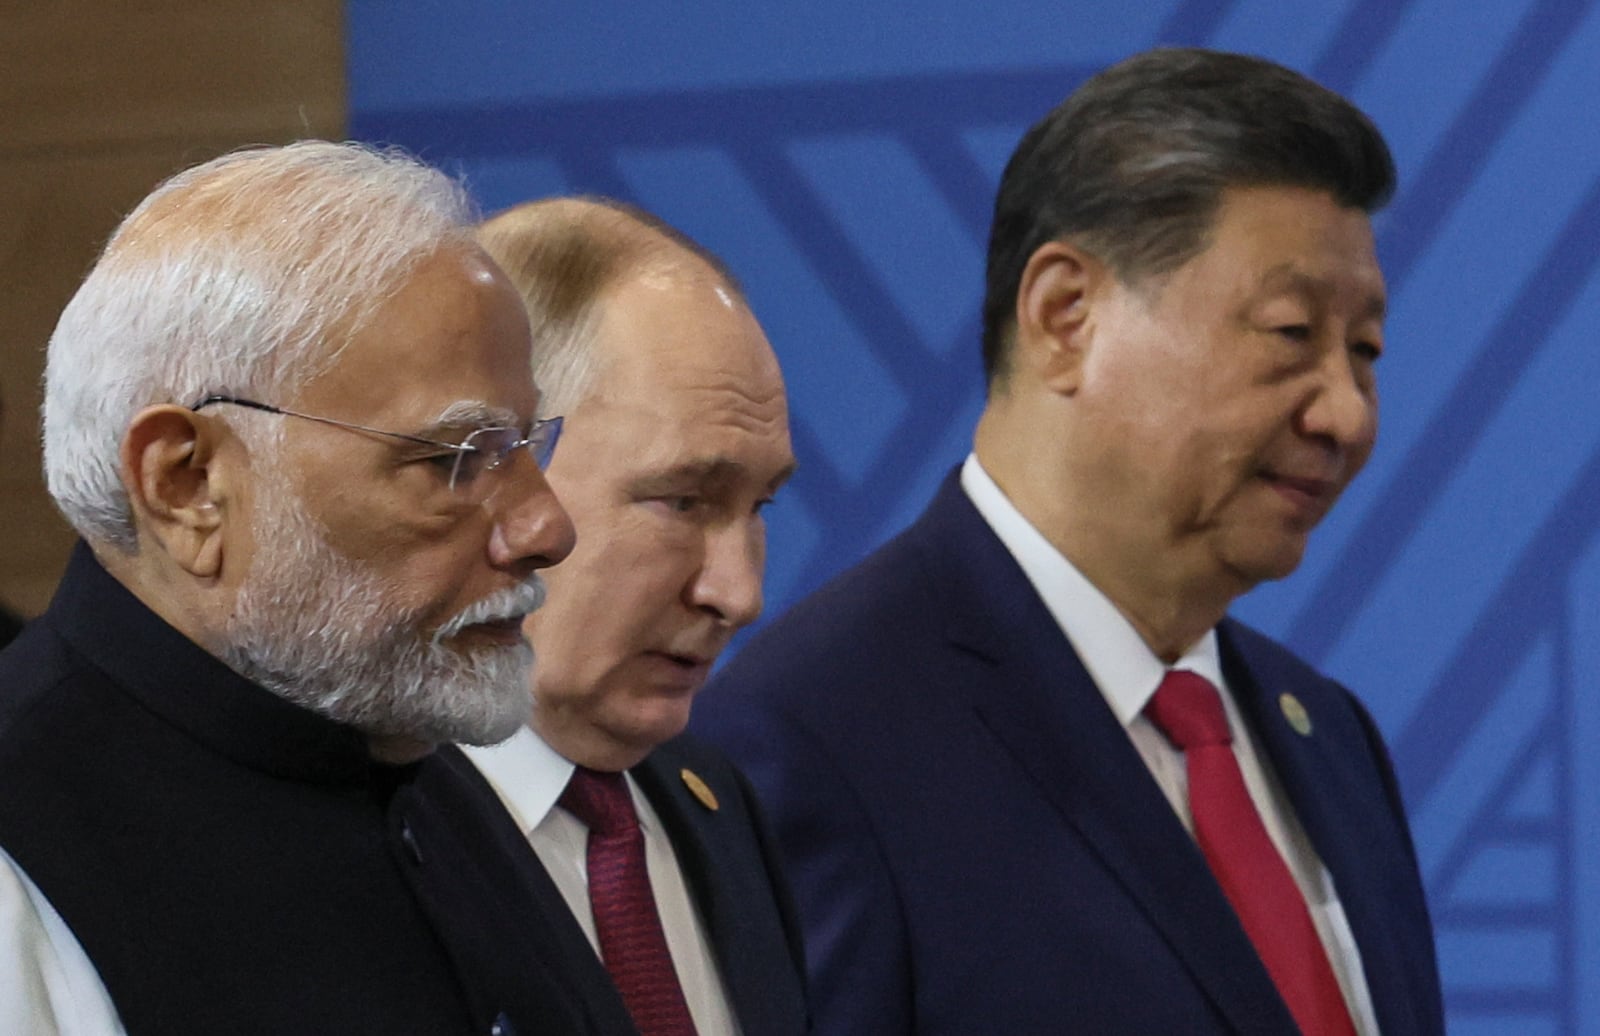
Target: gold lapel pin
x=698 y=788
x=1295 y=713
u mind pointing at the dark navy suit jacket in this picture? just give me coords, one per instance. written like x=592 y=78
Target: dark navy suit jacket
x=975 y=845
x=730 y=867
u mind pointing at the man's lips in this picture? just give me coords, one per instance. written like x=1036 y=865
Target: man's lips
x=680 y=670
x=685 y=661
x=1308 y=492
x=508 y=630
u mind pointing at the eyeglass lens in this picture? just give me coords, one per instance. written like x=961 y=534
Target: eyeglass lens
x=488 y=448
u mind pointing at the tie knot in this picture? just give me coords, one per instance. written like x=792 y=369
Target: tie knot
x=1188 y=710
x=600 y=800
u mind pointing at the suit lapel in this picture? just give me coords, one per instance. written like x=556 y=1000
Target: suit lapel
x=560 y=938
x=1332 y=806
x=687 y=822
x=717 y=875
x=1033 y=693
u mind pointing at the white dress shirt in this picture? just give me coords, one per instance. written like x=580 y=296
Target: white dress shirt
x=47 y=985
x=1127 y=673
x=529 y=777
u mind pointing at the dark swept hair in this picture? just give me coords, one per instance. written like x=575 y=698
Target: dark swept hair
x=1133 y=164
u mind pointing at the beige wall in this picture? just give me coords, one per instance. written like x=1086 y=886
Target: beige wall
x=100 y=101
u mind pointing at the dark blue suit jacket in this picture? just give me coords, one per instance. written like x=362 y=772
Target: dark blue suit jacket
x=974 y=843
x=732 y=871
x=730 y=867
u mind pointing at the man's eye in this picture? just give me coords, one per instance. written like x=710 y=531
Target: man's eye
x=1296 y=332
x=464 y=465
x=469 y=464
x=676 y=504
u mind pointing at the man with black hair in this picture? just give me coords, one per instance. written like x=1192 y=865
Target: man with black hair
x=1027 y=775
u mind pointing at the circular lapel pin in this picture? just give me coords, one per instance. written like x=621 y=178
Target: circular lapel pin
x=1295 y=713
x=698 y=788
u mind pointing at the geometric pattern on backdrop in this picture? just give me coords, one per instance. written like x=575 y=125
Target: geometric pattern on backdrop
x=1457 y=586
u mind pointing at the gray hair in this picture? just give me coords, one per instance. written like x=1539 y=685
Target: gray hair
x=245 y=275
x=563 y=254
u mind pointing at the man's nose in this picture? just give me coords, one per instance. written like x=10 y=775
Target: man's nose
x=531 y=528
x=728 y=583
x=1344 y=406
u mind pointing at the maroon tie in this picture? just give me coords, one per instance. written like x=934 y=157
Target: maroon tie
x=632 y=943
x=1188 y=710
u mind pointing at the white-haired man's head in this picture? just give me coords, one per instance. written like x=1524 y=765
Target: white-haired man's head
x=261 y=410
x=240 y=276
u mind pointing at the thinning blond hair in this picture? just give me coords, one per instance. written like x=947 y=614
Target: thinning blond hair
x=563 y=254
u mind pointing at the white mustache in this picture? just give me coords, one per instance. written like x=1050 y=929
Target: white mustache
x=512 y=603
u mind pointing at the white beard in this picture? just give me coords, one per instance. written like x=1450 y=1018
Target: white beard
x=320 y=631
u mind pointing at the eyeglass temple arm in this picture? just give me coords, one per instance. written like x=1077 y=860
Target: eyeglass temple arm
x=250 y=404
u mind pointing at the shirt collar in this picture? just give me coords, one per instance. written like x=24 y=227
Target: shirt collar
x=1118 y=660
x=529 y=776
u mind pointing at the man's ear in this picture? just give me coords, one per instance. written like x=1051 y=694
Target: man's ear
x=1053 y=303
x=169 y=466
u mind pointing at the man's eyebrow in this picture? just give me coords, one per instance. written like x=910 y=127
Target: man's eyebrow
x=692 y=472
x=1289 y=278
x=469 y=414
x=702 y=471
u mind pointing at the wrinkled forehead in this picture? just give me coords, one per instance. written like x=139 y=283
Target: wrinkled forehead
x=678 y=317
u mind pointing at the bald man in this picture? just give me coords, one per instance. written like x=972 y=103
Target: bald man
x=675 y=438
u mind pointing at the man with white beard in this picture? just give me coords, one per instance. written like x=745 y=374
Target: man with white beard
x=290 y=414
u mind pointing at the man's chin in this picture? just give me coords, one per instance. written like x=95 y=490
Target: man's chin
x=1255 y=571
x=660 y=719
x=499 y=730
x=478 y=697
x=487 y=726
x=497 y=714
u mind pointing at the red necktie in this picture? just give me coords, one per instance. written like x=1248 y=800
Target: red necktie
x=1188 y=710
x=632 y=943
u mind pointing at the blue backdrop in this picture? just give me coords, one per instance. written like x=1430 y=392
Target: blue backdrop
x=842 y=157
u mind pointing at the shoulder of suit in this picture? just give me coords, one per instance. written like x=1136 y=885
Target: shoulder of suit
x=688 y=750
x=1274 y=666
x=689 y=767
